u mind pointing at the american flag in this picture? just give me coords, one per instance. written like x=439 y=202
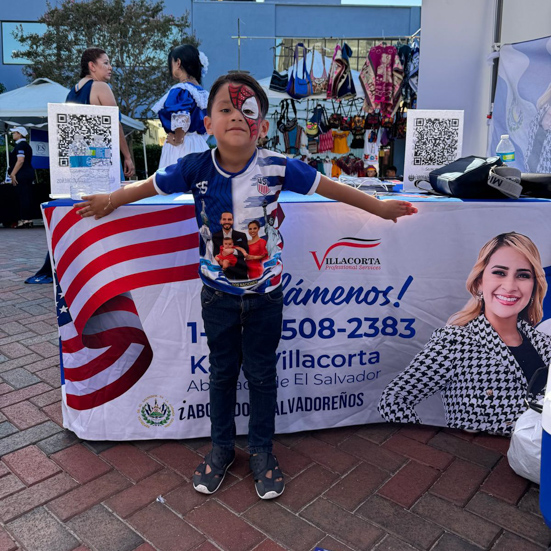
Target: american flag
x=104 y=349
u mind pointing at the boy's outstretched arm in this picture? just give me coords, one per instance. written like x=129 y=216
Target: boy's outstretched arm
x=102 y=204
x=389 y=210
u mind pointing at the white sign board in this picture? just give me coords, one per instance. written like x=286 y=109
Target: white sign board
x=84 y=149
x=434 y=138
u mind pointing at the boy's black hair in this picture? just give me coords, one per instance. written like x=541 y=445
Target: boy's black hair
x=240 y=78
x=90 y=54
x=189 y=60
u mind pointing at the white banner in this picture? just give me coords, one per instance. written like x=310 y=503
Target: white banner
x=522 y=104
x=362 y=297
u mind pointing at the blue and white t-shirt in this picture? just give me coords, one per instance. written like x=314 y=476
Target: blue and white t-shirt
x=249 y=195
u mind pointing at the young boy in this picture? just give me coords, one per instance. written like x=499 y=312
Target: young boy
x=242 y=318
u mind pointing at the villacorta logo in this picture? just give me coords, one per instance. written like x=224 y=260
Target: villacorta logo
x=344 y=259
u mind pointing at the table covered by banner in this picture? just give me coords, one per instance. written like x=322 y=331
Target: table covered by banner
x=362 y=298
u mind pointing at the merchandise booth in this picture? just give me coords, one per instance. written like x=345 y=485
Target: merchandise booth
x=360 y=120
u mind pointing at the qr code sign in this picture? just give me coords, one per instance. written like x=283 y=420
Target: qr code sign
x=77 y=133
x=435 y=141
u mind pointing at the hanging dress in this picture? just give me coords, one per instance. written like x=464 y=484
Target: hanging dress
x=381 y=78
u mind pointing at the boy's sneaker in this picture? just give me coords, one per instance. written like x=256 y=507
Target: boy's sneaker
x=267 y=487
x=218 y=460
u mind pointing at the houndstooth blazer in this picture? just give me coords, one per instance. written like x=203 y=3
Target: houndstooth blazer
x=482 y=385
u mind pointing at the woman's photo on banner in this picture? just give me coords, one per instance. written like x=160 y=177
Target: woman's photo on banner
x=482 y=361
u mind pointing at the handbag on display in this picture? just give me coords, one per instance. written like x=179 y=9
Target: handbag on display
x=279 y=81
x=387 y=122
x=319 y=116
x=335 y=118
x=285 y=124
x=312 y=129
x=325 y=141
x=319 y=84
x=300 y=85
x=400 y=128
x=344 y=86
x=335 y=71
x=357 y=124
x=312 y=145
x=466 y=178
x=373 y=120
x=346 y=120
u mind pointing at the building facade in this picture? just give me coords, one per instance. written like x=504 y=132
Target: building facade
x=245 y=34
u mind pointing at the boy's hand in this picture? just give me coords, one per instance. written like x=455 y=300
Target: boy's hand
x=97 y=206
x=394 y=209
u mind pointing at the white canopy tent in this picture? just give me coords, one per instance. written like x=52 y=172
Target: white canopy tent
x=28 y=106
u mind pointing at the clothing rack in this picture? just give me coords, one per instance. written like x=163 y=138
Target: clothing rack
x=240 y=37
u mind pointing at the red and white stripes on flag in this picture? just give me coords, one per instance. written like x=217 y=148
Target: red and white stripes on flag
x=97 y=262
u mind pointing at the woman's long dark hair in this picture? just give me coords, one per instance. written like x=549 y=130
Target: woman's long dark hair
x=90 y=54
x=189 y=60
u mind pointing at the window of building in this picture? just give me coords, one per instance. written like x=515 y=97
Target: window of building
x=10 y=44
x=360 y=47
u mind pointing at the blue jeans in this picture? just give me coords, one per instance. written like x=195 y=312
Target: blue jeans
x=242 y=331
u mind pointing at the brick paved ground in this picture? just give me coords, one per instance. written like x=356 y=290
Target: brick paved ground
x=384 y=487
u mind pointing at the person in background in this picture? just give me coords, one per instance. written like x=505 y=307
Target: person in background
x=391 y=172
x=93 y=89
x=21 y=173
x=482 y=361
x=182 y=109
x=242 y=319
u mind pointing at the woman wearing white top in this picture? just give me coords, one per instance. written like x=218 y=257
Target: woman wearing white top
x=182 y=109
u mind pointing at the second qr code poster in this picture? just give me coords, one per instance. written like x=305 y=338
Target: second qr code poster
x=434 y=138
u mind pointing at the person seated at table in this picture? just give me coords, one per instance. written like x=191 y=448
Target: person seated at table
x=391 y=172
x=227 y=257
x=484 y=358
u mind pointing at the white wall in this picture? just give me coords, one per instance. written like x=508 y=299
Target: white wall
x=456 y=38
x=525 y=20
